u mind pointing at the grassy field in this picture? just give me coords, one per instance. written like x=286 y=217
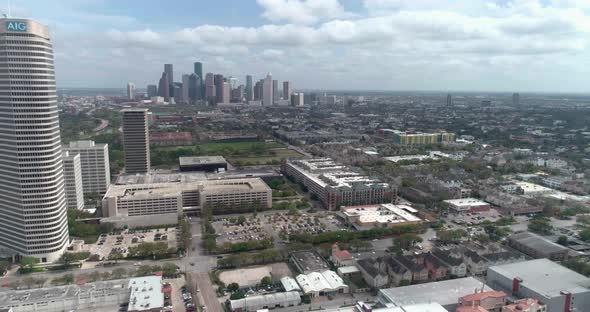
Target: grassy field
x=237 y=153
x=274 y=157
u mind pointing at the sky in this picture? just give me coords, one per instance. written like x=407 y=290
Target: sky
x=430 y=45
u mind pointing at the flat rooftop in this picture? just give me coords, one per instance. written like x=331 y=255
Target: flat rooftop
x=443 y=292
x=466 y=202
x=544 y=277
x=167 y=176
x=146 y=293
x=310 y=260
x=20 y=297
x=325 y=172
x=201 y=160
x=536 y=242
x=531 y=188
x=173 y=188
x=383 y=213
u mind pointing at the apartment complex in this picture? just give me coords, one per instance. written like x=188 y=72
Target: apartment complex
x=415 y=138
x=172 y=199
x=73 y=180
x=335 y=185
x=94 y=160
x=136 y=140
x=32 y=199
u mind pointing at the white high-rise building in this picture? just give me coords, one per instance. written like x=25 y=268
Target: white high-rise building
x=94 y=160
x=267 y=88
x=130 y=91
x=136 y=140
x=73 y=180
x=33 y=219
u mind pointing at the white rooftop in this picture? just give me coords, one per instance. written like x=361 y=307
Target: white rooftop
x=290 y=284
x=544 y=277
x=466 y=202
x=146 y=293
x=383 y=213
x=531 y=188
x=317 y=282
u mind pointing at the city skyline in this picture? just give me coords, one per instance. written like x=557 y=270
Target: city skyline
x=459 y=46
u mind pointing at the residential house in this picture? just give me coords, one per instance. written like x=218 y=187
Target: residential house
x=457 y=267
x=419 y=271
x=341 y=258
x=398 y=274
x=374 y=271
x=476 y=264
x=525 y=305
x=437 y=270
x=491 y=301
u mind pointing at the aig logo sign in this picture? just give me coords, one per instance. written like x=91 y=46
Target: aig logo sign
x=16 y=26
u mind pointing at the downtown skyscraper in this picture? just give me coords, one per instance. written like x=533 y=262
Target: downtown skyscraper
x=249 y=88
x=136 y=140
x=32 y=199
x=267 y=91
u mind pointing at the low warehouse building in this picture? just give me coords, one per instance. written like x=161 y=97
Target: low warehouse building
x=97 y=296
x=560 y=288
x=383 y=215
x=537 y=246
x=467 y=205
x=146 y=294
x=307 y=261
x=446 y=293
x=255 y=303
x=202 y=163
x=321 y=284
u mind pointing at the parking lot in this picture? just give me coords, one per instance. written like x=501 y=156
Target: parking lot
x=272 y=223
x=229 y=230
x=107 y=243
x=475 y=218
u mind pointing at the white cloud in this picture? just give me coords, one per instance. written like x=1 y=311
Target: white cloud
x=302 y=11
x=466 y=44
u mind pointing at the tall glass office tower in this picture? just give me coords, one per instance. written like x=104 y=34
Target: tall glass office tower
x=32 y=198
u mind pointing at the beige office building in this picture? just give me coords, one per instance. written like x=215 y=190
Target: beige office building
x=136 y=140
x=94 y=160
x=73 y=180
x=32 y=198
x=222 y=196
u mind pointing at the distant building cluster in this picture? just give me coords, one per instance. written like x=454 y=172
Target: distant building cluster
x=415 y=138
x=335 y=185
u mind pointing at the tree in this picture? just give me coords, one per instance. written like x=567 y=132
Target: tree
x=406 y=240
x=233 y=287
x=116 y=255
x=585 y=234
x=265 y=281
x=27 y=264
x=119 y=273
x=450 y=236
x=169 y=269
x=540 y=226
x=4 y=267
x=241 y=220
x=562 y=240
x=496 y=233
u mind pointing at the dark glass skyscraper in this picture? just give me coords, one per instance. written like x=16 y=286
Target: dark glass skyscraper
x=168 y=69
x=199 y=69
x=194 y=89
x=249 y=88
x=164 y=87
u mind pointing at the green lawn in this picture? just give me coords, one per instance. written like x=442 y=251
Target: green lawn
x=274 y=158
x=237 y=153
